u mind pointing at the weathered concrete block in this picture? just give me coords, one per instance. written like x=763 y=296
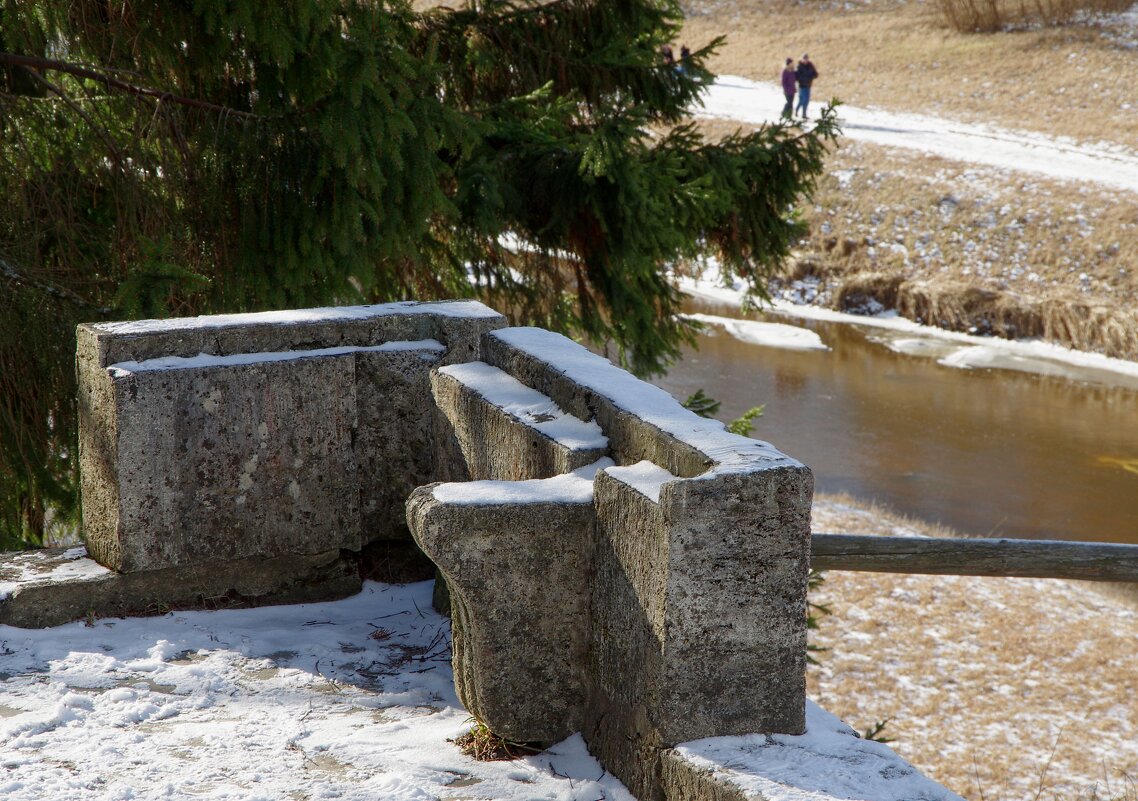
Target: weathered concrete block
x=517 y=557
x=554 y=365
x=394 y=435
x=736 y=604
x=491 y=426
x=698 y=620
x=226 y=457
x=52 y=586
x=698 y=612
x=274 y=433
x=458 y=324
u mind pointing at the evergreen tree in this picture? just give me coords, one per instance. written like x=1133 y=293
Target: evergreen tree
x=167 y=158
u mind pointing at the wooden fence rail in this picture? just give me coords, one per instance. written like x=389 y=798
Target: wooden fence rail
x=1087 y=561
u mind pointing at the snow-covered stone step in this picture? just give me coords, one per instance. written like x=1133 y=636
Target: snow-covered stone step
x=504 y=430
x=52 y=586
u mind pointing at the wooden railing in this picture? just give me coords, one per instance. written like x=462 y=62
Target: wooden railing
x=1087 y=561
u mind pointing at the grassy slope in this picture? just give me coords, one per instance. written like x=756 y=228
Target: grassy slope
x=998 y=688
x=944 y=242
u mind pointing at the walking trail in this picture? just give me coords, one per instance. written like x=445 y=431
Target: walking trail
x=1108 y=165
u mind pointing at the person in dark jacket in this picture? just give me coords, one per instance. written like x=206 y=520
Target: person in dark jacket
x=805 y=73
x=682 y=64
x=788 y=87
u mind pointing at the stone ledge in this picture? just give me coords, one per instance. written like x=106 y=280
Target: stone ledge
x=488 y=425
x=457 y=323
x=53 y=586
x=828 y=763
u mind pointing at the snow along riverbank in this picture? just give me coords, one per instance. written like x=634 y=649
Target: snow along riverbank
x=950 y=348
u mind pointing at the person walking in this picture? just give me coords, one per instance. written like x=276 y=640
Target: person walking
x=685 y=56
x=805 y=73
x=789 y=79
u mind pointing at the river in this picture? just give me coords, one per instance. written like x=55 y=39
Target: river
x=988 y=452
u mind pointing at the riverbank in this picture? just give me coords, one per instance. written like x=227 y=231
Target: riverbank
x=997 y=688
x=1003 y=230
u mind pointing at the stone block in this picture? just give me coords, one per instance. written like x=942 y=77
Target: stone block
x=458 y=324
x=271 y=433
x=539 y=359
x=226 y=458
x=697 y=620
x=53 y=586
x=491 y=426
x=394 y=435
x=517 y=557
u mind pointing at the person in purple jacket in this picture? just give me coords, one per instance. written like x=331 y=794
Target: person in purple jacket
x=788 y=88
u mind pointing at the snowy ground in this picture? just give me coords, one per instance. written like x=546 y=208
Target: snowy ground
x=348 y=700
x=352 y=699
x=1003 y=689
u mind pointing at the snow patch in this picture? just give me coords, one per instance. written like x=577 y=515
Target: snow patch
x=828 y=762
x=645 y=477
x=771 y=335
x=329 y=314
x=574 y=487
x=528 y=405
x=123 y=369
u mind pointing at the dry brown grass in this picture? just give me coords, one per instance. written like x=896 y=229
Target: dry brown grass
x=972 y=248
x=990 y=16
x=898 y=55
x=485 y=746
x=998 y=688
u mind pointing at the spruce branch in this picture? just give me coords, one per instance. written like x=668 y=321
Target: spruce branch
x=33 y=63
x=9 y=271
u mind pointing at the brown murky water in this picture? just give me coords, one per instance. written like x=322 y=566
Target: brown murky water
x=987 y=452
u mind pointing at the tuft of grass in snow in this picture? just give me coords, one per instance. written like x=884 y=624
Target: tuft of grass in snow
x=485 y=746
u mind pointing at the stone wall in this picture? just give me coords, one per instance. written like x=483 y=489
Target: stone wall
x=269 y=436
x=617 y=565
x=661 y=591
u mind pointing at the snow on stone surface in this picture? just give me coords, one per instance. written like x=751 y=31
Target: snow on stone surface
x=122 y=369
x=328 y=314
x=43 y=567
x=528 y=405
x=898 y=333
x=771 y=335
x=573 y=487
x=730 y=452
x=736 y=98
x=828 y=762
x=352 y=699
x=645 y=477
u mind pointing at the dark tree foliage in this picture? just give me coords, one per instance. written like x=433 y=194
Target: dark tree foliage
x=174 y=157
